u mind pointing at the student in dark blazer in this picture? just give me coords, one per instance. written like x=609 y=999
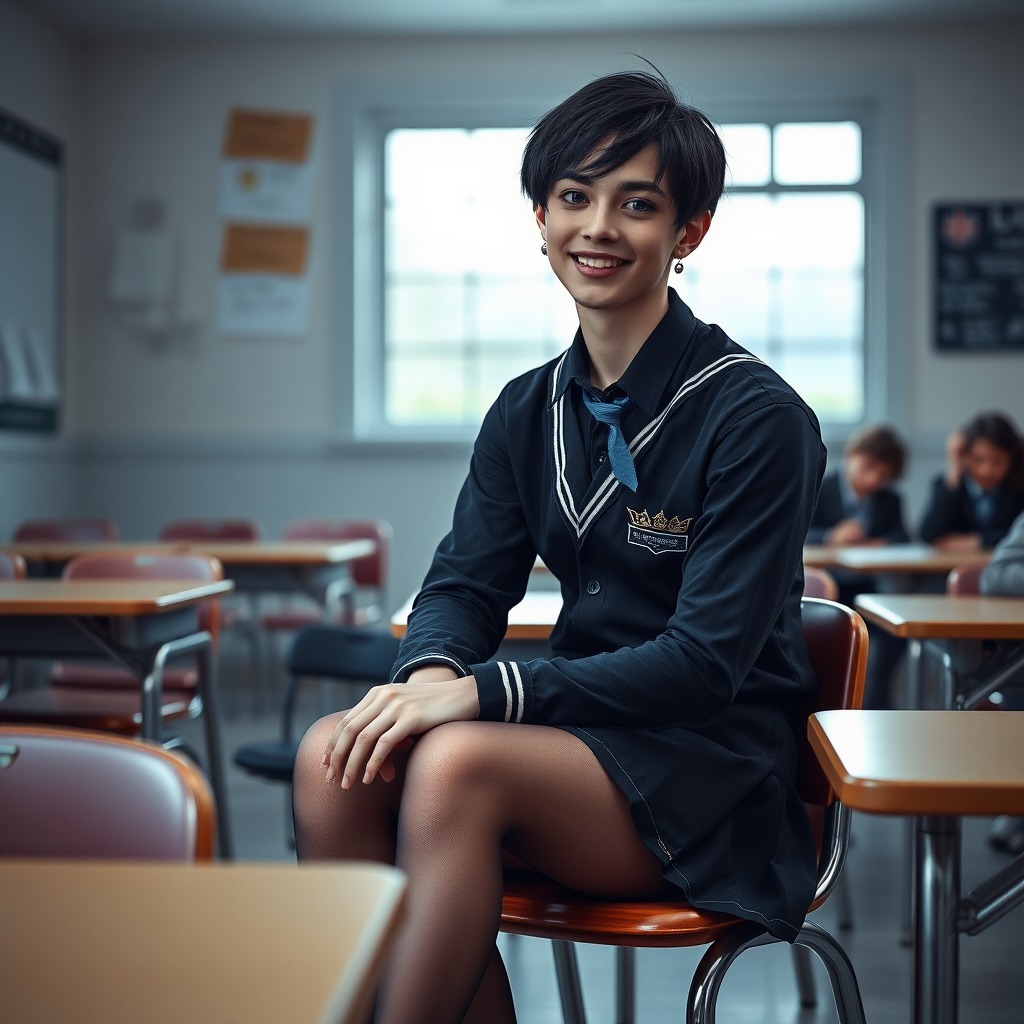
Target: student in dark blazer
x=973 y=505
x=857 y=504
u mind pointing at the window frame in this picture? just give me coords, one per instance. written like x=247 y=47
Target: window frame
x=369 y=113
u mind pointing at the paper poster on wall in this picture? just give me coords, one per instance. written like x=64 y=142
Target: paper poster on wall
x=266 y=174
x=263 y=286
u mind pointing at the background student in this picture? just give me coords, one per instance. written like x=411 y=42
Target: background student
x=857 y=505
x=973 y=505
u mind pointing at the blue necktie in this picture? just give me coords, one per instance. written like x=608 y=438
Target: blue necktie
x=985 y=507
x=610 y=414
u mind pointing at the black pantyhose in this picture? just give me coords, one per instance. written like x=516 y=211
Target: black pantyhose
x=463 y=793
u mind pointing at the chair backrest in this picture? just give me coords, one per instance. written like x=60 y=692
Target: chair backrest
x=70 y=793
x=67 y=529
x=965 y=580
x=818 y=583
x=837 y=644
x=371 y=571
x=12 y=566
x=343 y=652
x=140 y=565
x=211 y=529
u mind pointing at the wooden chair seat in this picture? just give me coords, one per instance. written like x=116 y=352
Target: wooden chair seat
x=112 y=677
x=117 y=711
x=549 y=911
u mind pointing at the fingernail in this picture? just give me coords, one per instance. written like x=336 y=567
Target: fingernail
x=367 y=778
x=332 y=772
x=346 y=782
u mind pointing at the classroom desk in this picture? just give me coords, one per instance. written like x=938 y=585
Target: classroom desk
x=908 y=559
x=140 y=624
x=532 y=619
x=117 y=943
x=929 y=616
x=306 y=567
x=936 y=766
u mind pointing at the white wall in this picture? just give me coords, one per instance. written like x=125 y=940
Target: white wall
x=38 y=475
x=244 y=426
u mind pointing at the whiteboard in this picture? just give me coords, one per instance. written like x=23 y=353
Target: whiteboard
x=31 y=243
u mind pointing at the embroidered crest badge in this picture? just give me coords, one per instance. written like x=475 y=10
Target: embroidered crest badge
x=657 y=533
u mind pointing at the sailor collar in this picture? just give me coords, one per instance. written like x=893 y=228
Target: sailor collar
x=647 y=376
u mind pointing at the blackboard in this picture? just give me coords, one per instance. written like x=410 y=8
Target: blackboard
x=31 y=242
x=979 y=276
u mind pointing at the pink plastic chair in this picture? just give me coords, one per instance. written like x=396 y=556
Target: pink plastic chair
x=75 y=794
x=12 y=566
x=98 y=530
x=965 y=580
x=818 y=583
x=211 y=529
x=367 y=574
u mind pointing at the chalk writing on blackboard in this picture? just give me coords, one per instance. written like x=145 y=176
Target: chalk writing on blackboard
x=979 y=276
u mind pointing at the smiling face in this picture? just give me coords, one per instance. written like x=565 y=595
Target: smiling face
x=611 y=240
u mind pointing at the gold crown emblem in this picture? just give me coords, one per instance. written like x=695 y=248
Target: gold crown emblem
x=659 y=522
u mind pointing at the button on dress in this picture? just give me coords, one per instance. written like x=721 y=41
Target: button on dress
x=678 y=657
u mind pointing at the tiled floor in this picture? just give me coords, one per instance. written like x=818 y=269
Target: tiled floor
x=760 y=988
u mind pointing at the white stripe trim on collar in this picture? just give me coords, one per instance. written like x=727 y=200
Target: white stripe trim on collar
x=581 y=522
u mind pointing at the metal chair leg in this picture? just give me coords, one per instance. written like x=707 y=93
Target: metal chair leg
x=844 y=900
x=845 y=989
x=625 y=985
x=568 y=976
x=716 y=961
x=804 y=977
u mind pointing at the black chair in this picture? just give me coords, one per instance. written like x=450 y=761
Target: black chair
x=335 y=652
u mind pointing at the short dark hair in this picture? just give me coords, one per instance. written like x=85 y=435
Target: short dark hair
x=998 y=430
x=881 y=443
x=632 y=109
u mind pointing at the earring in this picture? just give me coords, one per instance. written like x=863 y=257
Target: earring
x=679 y=266
x=544 y=248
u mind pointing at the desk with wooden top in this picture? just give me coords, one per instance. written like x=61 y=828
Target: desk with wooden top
x=140 y=624
x=532 y=619
x=936 y=766
x=306 y=567
x=905 y=559
x=103 y=943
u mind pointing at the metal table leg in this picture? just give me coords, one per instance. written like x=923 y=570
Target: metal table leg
x=936 y=938
x=913 y=701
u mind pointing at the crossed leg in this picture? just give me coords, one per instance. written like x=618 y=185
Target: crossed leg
x=465 y=792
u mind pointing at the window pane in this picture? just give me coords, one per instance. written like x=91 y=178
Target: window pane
x=783 y=274
x=748 y=152
x=826 y=153
x=470 y=302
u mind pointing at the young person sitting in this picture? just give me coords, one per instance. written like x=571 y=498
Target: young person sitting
x=667 y=478
x=857 y=504
x=982 y=491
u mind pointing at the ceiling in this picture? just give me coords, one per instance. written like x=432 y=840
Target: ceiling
x=159 y=17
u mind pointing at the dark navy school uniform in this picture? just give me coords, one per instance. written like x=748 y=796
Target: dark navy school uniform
x=957 y=510
x=881 y=513
x=679 y=656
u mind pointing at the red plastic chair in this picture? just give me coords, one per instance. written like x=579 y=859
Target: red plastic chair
x=12 y=566
x=965 y=580
x=75 y=794
x=367 y=574
x=818 y=583
x=98 y=530
x=107 y=697
x=211 y=529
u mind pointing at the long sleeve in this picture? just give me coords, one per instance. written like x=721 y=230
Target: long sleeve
x=945 y=513
x=480 y=570
x=1004 y=575
x=762 y=477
